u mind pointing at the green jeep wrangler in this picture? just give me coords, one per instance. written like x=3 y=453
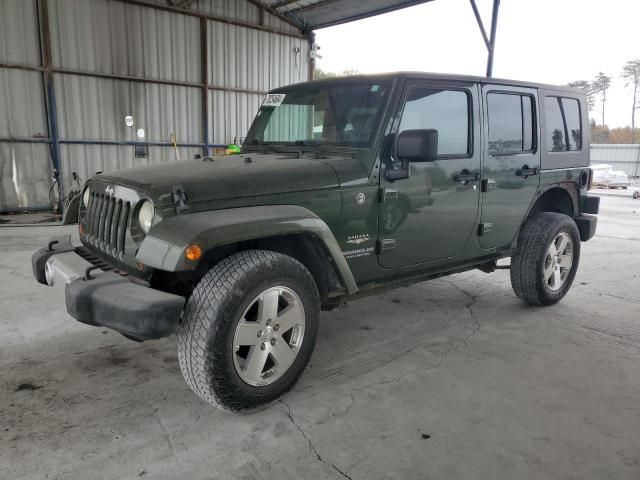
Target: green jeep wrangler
x=344 y=187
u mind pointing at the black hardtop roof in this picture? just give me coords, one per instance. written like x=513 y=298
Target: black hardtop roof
x=442 y=76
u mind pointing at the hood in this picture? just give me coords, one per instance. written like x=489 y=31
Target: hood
x=230 y=176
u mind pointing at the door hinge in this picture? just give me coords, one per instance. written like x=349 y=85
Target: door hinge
x=386 y=245
x=388 y=194
x=485 y=228
x=487 y=185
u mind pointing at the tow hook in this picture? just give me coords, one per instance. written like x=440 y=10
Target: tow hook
x=87 y=272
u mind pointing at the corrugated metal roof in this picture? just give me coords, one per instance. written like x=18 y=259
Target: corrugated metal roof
x=303 y=14
x=315 y=14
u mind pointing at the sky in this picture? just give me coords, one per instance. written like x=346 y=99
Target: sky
x=548 y=41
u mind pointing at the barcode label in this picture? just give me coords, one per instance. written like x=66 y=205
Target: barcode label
x=273 y=99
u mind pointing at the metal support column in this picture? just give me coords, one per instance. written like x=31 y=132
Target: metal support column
x=204 y=66
x=311 y=38
x=489 y=41
x=50 y=94
x=492 y=38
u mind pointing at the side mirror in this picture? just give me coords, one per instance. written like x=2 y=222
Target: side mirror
x=418 y=145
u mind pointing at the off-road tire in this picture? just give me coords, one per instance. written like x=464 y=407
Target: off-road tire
x=527 y=264
x=206 y=330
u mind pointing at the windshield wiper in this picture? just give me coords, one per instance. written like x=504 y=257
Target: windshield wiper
x=268 y=147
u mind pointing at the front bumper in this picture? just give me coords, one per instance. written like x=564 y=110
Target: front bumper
x=104 y=298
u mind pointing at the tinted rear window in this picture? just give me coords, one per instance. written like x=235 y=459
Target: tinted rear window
x=510 y=123
x=563 y=125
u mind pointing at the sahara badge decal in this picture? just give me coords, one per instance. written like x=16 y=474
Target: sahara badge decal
x=360 y=198
x=357 y=240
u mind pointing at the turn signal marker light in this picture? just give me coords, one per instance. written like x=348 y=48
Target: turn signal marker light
x=193 y=252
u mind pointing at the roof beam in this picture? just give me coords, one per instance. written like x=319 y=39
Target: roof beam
x=182 y=3
x=283 y=3
x=480 y=24
x=272 y=10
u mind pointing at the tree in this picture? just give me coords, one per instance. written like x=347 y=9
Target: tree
x=599 y=133
x=600 y=86
x=319 y=73
x=631 y=74
x=558 y=141
x=623 y=135
x=586 y=87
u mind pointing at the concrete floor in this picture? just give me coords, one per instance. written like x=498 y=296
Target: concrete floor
x=449 y=379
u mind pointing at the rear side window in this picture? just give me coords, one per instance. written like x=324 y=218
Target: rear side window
x=562 y=117
x=571 y=109
x=447 y=111
x=511 y=125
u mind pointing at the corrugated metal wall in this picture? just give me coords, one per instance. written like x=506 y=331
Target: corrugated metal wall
x=111 y=58
x=25 y=168
x=620 y=157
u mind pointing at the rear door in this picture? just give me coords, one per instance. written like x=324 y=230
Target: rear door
x=511 y=173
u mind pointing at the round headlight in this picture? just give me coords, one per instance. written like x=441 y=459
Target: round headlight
x=85 y=197
x=145 y=215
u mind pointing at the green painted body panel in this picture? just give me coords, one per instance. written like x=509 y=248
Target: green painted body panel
x=435 y=215
x=506 y=206
x=343 y=198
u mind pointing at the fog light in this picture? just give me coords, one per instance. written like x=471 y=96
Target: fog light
x=193 y=252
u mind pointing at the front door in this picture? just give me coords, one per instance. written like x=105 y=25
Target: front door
x=512 y=162
x=431 y=214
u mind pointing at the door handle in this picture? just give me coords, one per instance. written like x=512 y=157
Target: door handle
x=465 y=177
x=525 y=172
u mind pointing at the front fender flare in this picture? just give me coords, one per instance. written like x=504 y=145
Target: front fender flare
x=163 y=248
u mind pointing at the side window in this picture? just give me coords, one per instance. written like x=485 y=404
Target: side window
x=562 y=116
x=571 y=109
x=511 y=125
x=447 y=111
x=556 y=141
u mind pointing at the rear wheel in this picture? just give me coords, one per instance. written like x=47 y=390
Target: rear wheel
x=546 y=261
x=248 y=329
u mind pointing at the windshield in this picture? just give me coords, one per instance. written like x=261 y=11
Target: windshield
x=341 y=114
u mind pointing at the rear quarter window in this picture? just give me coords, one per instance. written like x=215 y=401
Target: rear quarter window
x=563 y=124
x=564 y=140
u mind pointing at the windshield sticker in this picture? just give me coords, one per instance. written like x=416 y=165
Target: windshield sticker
x=273 y=99
x=375 y=88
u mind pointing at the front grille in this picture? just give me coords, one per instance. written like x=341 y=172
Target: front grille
x=107 y=222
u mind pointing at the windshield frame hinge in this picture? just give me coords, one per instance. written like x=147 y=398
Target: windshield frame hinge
x=180 y=199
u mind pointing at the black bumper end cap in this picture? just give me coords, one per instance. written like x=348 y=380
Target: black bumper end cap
x=586 y=226
x=136 y=311
x=591 y=204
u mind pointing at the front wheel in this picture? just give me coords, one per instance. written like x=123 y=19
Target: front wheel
x=546 y=261
x=248 y=329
